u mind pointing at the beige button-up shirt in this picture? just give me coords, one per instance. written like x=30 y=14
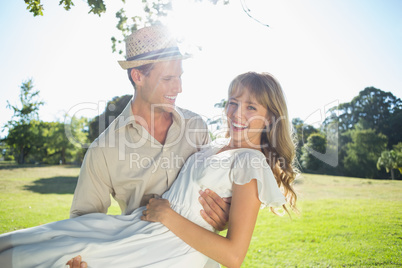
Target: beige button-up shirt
x=126 y=162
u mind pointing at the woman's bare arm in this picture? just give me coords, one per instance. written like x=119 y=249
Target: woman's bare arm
x=231 y=250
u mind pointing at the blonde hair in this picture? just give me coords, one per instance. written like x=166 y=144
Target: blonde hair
x=277 y=142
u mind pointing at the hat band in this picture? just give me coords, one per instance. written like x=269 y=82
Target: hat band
x=157 y=54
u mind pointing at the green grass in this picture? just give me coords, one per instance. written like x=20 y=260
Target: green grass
x=34 y=195
x=344 y=222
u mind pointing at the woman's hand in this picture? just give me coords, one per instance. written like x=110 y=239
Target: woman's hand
x=156 y=210
x=216 y=209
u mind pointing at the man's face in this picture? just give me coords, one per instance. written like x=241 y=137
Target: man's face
x=161 y=87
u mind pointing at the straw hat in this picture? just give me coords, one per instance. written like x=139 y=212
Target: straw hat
x=150 y=45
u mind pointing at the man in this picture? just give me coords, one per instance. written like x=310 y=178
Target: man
x=140 y=154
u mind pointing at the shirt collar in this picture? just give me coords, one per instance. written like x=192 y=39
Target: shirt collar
x=127 y=117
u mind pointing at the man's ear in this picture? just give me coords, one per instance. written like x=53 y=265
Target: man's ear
x=136 y=75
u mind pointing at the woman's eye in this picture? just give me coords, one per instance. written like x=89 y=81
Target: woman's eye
x=251 y=108
x=232 y=103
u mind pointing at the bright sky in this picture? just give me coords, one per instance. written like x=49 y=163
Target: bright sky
x=322 y=51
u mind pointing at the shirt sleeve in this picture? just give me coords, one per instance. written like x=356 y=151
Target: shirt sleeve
x=92 y=193
x=251 y=164
x=206 y=139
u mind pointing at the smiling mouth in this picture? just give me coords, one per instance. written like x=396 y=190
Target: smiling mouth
x=171 y=98
x=238 y=126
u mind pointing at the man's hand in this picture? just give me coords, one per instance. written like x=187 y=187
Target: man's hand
x=156 y=211
x=77 y=263
x=145 y=199
x=216 y=209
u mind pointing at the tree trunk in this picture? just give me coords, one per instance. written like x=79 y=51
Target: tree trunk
x=21 y=158
x=392 y=174
x=63 y=156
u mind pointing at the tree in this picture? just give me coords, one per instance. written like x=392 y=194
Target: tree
x=317 y=143
x=389 y=160
x=398 y=148
x=58 y=147
x=29 y=103
x=398 y=151
x=373 y=108
x=392 y=128
x=363 y=151
x=6 y=153
x=302 y=132
x=217 y=125
x=79 y=130
x=24 y=140
x=96 y=6
x=113 y=108
x=23 y=133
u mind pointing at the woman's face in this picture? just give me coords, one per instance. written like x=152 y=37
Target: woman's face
x=247 y=119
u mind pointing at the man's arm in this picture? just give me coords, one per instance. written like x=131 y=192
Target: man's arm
x=92 y=193
x=216 y=209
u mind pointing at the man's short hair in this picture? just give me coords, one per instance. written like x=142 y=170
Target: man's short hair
x=144 y=69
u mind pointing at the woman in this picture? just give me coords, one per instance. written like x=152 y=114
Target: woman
x=256 y=158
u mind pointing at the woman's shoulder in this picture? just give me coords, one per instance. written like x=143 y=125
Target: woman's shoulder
x=249 y=152
x=248 y=158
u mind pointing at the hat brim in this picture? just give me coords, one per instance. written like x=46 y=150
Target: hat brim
x=137 y=63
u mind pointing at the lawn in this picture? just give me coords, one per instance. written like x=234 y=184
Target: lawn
x=33 y=195
x=343 y=222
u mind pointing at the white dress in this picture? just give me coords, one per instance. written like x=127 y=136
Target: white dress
x=126 y=240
